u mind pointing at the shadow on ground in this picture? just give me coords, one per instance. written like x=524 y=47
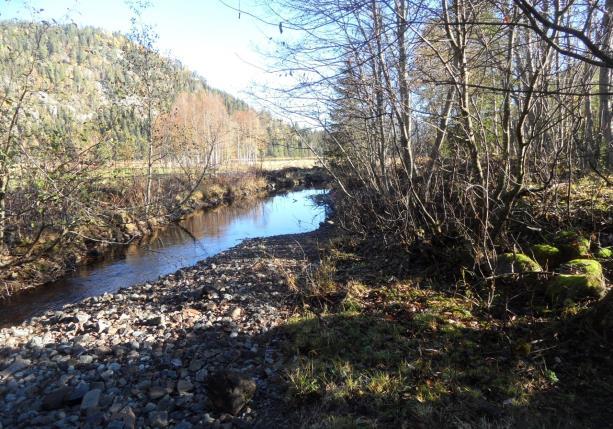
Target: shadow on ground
x=398 y=354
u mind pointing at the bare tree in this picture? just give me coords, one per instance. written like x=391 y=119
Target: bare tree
x=441 y=118
x=153 y=89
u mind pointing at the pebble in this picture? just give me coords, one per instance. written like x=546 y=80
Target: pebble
x=184 y=386
x=158 y=419
x=196 y=364
x=145 y=356
x=156 y=392
x=91 y=399
x=236 y=313
x=86 y=359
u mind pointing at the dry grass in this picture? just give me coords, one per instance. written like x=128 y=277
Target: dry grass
x=271 y=164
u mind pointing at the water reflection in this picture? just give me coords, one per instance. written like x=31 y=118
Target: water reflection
x=199 y=236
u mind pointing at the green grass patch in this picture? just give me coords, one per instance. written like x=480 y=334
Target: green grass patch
x=407 y=354
x=389 y=349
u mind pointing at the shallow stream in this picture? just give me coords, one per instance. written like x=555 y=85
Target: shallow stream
x=203 y=234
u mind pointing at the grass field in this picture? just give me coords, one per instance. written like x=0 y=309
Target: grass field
x=136 y=168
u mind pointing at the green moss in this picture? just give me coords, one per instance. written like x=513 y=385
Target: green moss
x=588 y=267
x=605 y=253
x=572 y=245
x=580 y=279
x=546 y=255
x=516 y=263
x=573 y=287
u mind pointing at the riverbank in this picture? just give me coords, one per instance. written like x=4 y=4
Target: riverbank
x=149 y=355
x=315 y=330
x=102 y=236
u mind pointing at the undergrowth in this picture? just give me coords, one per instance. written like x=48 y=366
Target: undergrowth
x=370 y=348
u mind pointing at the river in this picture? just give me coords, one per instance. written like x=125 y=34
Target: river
x=202 y=234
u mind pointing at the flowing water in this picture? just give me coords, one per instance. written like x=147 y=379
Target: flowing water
x=203 y=234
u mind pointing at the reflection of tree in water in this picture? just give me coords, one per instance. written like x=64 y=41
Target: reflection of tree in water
x=215 y=223
x=202 y=224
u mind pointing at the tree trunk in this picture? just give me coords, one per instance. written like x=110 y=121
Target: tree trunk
x=149 y=163
x=4 y=179
x=604 y=81
x=405 y=96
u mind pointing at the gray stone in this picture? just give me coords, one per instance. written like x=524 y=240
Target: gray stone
x=86 y=359
x=114 y=366
x=149 y=407
x=201 y=375
x=158 y=419
x=125 y=417
x=82 y=317
x=55 y=399
x=230 y=391
x=91 y=399
x=36 y=342
x=77 y=393
x=196 y=364
x=156 y=392
x=17 y=365
x=184 y=386
x=102 y=326
x=166 y=404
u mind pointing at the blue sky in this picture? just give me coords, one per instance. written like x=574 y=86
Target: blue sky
x=205 y=35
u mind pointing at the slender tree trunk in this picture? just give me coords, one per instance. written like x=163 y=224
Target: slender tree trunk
x=149 y=163
x=604 y=81
x=405 y=95
x=441 y=132
x=4 y=179
x=506 y=118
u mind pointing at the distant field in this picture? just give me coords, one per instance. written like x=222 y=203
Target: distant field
x=128 y=168
x=279 y=163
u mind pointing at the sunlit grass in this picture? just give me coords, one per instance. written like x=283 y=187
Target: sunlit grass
x=400 y=353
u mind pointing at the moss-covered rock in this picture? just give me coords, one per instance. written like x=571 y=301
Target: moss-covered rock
x=572 y=245
x=589 y=267
x=516 y=263
x=605 y=253
x=563 y=288
x=547 y=255
x=578 y=279
x=601 y=317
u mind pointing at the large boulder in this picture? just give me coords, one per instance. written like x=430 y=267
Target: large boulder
x=229 y=391
x=547 y=255
x=605 y=253
x=572 y=245
x=601 y=317
x=509 y=263
x=578 y=279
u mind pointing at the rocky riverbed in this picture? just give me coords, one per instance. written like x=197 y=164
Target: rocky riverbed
x=198 y=348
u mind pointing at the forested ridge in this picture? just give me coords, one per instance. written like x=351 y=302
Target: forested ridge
x=79 y=76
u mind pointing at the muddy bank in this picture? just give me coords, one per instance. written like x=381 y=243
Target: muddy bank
x=197 y=348
x=106 y=235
